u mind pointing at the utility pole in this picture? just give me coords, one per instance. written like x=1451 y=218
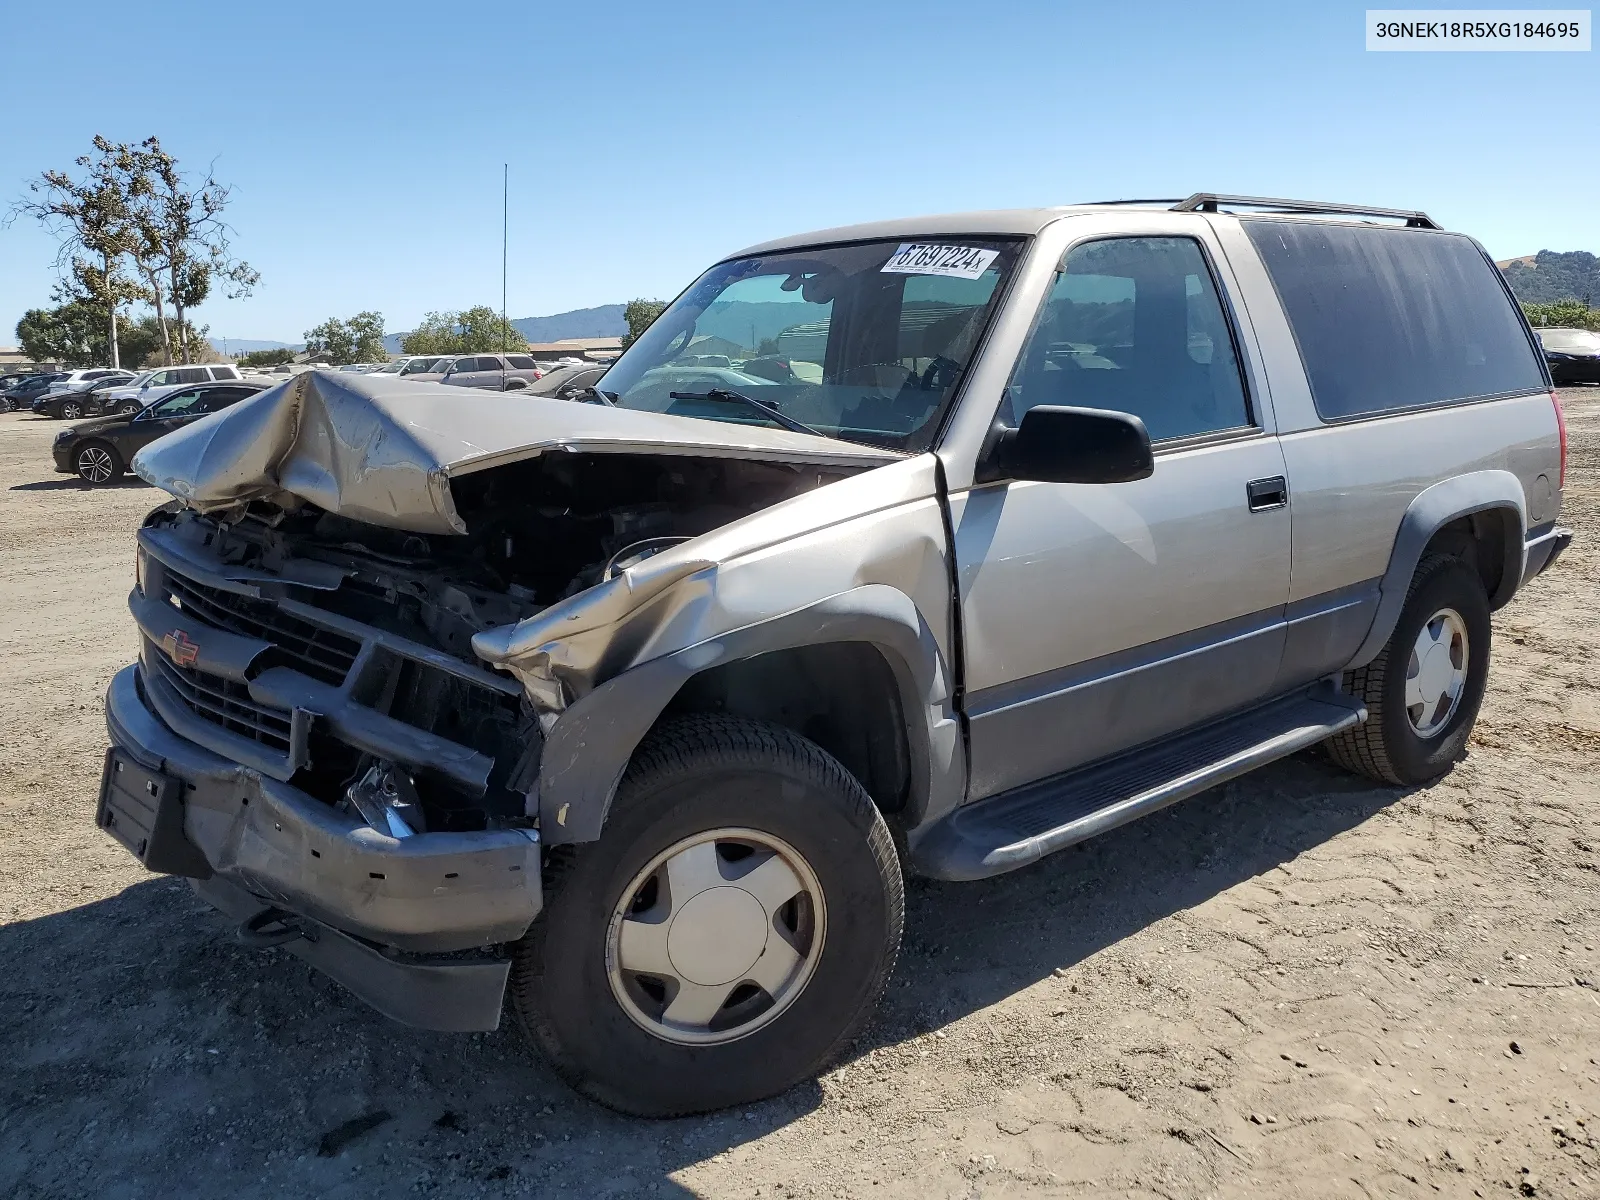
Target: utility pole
x=505 y=242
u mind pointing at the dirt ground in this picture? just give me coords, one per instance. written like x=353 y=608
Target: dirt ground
x=1294 y=985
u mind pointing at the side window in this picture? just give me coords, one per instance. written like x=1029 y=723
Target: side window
x=1134 y=325
x=1395 y=318
x=520 y=361
x=163 y=378
x=214 y=398
x=224 y=373
x=190 y=375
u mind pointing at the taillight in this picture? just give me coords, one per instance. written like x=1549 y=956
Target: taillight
x=1561 y=429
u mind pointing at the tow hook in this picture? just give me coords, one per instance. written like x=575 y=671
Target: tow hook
x=258 y=933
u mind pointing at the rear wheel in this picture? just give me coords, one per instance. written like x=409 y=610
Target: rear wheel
x=97 y=463
x=1424 y=688
x=726 y=937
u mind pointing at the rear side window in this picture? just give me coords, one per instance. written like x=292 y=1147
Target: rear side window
x=224 y=373
x=520 y=361
x=1394 y=319
x=190 y=375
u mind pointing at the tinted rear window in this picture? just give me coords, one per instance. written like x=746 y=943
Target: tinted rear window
x=1392 y=318
x=520 y=361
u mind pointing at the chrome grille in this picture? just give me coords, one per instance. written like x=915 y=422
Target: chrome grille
x=311 y=649
x=223 y=702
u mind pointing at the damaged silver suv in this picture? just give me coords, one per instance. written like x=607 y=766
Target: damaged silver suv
x=936 y=545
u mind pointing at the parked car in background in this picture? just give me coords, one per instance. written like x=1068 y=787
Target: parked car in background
x=91 y=401
x=568 y=381
x=494 y=372
x=165 y=380
x=23 y=394
x=12 y=379
x=414 y=364
x=1573 y=354
x=77 y=381
x=98 y=451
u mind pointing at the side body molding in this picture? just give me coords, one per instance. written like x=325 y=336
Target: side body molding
x=1433 y=509
x=587 y=749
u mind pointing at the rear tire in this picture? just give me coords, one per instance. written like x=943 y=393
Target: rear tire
x=733 y=791
x=1415 y=729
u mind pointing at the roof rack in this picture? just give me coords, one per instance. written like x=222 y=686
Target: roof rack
x=1211 y=202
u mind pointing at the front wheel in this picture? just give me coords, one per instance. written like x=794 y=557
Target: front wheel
x=71 y=410
x=97 y=463
x=128 y=408
x=1424 y=688
x=727 y=936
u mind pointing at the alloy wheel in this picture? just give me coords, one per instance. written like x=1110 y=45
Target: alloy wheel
x=72 y=410
x=95 y=465
x=716 y=936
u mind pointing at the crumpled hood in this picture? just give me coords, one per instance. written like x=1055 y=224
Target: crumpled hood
x=384 y=450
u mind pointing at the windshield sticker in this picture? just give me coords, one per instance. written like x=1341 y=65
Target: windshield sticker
x=922 y=258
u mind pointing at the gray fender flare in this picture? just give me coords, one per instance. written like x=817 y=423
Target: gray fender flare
x=1433 y=509
x=588 y=748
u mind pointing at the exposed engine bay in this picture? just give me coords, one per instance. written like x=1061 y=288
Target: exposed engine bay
x=539 y=530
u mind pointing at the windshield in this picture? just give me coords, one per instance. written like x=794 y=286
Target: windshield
x=865 y=342
x=1570 y=341
x=393 y=368
x=427 y=366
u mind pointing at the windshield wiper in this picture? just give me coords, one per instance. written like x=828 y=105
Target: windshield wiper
x=765 y=410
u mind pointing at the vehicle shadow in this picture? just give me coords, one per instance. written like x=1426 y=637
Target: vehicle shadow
x=71 y=483
x=141 y=1034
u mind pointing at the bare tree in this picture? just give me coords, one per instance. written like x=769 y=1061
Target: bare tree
x=93 y=218
x=183 y=240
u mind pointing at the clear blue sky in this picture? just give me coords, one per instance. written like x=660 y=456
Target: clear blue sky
x=365 y=141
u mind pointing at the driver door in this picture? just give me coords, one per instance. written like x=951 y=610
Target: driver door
x=1099 y=617
x=169 y=413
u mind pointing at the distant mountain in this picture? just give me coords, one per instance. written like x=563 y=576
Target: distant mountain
x=1551 y=275
x=605 y=321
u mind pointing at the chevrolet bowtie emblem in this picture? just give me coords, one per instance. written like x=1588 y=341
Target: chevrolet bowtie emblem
x=179 y=648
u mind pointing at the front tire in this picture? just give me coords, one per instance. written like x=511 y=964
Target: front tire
x=71 y=410
x=97 y=463
x=727 y=936
x=1425 y=687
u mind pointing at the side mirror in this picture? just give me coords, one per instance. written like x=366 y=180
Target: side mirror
x=1072 y=445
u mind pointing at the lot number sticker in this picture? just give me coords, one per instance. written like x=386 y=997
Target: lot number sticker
x=921 y=258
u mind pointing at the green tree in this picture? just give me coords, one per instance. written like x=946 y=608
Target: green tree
x=473 y=330
x=68 y=334
x=93 y=218
x=640 y=315
x=72 y=333
x=1563 y=314
x=360 y=339
x=266 y=358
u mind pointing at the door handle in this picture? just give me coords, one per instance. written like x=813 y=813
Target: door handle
x=1264 y=494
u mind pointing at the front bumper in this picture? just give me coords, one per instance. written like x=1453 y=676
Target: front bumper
x=372 y=903
x=63 y=460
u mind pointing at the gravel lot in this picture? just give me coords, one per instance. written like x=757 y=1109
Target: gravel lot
x=1292 y=985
